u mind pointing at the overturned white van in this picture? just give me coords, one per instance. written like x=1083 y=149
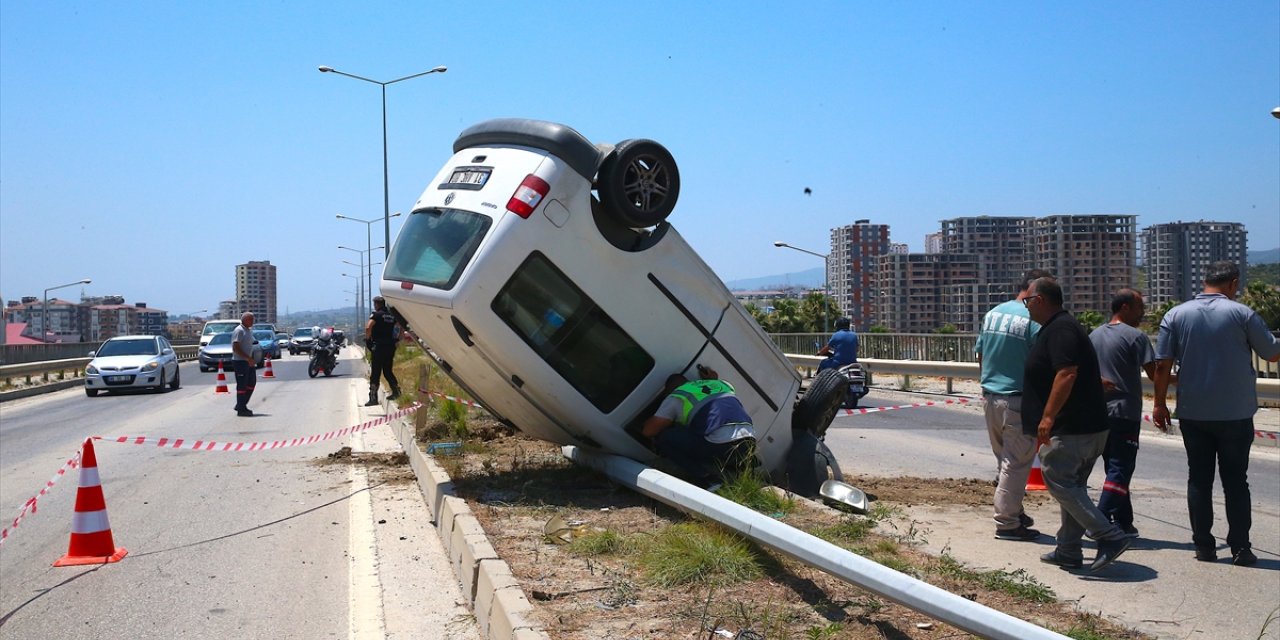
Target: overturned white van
x=539 y=271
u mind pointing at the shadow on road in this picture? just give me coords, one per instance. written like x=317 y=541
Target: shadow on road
x=44 y=592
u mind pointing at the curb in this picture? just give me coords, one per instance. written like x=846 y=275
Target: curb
x=41 y=389
x=494 y=595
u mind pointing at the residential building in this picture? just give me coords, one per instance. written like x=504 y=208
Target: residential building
x=228 y=310
x=899 y=248
x=933 y=243
x=152 y=322
x=256 y=289
x=1092 y=256
x=1176 y=255
x=917 y=291
x=855 y=250
x=111 y=320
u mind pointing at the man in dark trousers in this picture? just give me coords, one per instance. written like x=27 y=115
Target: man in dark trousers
x=1212 y=337
x=1124 y=353
x=380 y=339
x=242 y=361
x=1062 y=402
x=703 y=428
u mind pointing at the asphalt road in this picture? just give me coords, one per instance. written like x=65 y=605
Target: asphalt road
x=266 y=544
x=1156 y=587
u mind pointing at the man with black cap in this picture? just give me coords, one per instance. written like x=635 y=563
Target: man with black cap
x=380 y=339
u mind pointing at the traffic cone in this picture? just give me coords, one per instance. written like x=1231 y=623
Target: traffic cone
x=268 y=373
x=91 y=541
x=222 y=381
x=1035 y=481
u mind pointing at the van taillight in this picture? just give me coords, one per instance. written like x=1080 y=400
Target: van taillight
x=528 y=195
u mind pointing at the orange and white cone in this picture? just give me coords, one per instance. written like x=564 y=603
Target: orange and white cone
x=1035 y=481
x=222 y=381
x=91 y=541
x=268 y=373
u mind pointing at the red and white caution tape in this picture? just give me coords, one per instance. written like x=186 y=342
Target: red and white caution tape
x=470 y=403
x=202 y=445
x=1264 y=435
x=210 y=445
x=930 y=403
x=30 y=504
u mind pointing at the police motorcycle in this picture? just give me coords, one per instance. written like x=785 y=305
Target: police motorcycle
x=324 y=354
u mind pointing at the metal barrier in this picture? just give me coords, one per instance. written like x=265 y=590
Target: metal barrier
x=24 y=353
x=946 y=347
x=45 y=369
x=1268 y=388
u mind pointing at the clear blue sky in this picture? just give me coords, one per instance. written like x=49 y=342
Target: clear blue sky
x=153 y=146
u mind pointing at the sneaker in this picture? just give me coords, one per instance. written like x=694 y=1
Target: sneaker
x=1206 y=554
x=1019 y=533
x=1026 y=520
x=1129 y=530
x=1108 y=551
x=1243 y=557
x=1053 y=557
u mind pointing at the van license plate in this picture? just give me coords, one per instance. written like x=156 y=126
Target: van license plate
x=473 y=178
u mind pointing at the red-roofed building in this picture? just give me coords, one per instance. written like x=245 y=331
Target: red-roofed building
x=15 y=333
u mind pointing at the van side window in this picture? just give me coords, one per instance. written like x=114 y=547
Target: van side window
x=571 y=333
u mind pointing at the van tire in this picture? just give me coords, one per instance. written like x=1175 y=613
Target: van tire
x=638 y=183
x=814 y=412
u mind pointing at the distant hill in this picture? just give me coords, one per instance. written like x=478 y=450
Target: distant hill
x=811 y=278
x=1269 y=256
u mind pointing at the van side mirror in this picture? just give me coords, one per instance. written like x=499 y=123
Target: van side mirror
x=93 y=354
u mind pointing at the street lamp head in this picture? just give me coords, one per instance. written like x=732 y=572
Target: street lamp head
x=1276 y=112
x=440 y=69
x=324 y=69
x=779 y=243
x=86 y=281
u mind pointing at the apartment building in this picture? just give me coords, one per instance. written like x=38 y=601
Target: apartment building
x=110 y=320
x=1176 y=255
x=917 y=291
x=256 y=289
x=851 y=266
x=1091 y=255
x=933 y=243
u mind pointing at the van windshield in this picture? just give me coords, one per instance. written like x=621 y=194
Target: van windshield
x=572 y=334
x=435 y=246
x=221 y=327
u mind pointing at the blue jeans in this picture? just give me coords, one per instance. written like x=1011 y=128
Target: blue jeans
x=1224 y=444
x=1121 y=456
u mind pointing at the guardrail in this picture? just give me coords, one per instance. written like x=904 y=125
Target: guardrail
x=936 y=347
x=47 y=369
x=1268 y=388
x=24 y=353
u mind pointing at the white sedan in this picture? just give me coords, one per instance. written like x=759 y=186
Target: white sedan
x=132 y=362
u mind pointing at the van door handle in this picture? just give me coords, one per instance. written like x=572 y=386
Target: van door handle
x=463 y=331
x=515 y=379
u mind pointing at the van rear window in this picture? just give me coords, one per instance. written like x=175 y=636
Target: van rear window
x=435 y=246
x=572 y=334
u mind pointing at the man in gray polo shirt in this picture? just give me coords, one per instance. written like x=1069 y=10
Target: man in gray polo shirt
x=1211 y=337
x=242 y=360
x=1124 y=353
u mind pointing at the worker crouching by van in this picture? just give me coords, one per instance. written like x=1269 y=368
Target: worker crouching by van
x=702 y=427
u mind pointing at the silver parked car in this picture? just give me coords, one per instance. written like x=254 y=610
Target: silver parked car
x=219 y=350
x=132 y=362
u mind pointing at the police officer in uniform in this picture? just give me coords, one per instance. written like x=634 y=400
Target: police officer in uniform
x=380 y=340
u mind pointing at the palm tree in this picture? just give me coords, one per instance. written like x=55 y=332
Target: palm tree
x=1265 y=300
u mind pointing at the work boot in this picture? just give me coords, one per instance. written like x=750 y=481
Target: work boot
x=395 y=393
x=373 y=400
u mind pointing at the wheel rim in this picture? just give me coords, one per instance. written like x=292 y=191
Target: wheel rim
x=646 y=182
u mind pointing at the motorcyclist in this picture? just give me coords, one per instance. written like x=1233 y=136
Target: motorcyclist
x=842 y=349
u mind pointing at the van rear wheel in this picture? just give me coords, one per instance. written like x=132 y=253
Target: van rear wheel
x=638 y=183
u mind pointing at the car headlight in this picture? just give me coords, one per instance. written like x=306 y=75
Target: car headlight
x=151 y=366
x=91 y=370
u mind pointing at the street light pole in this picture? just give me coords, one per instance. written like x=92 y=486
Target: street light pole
x=359 y=293
x=368 y=239
x=386 y=193
x=44 y=311
x=826 y=271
